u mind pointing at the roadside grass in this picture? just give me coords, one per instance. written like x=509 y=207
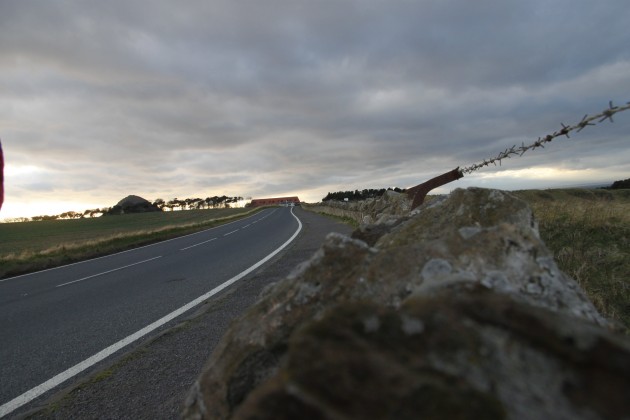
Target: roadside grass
x=32 y=246
x=67 y=398
x=588 y=232
x=347 y=217
x=343 y=219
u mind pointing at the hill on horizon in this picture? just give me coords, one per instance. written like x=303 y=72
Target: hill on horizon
x=132 y=204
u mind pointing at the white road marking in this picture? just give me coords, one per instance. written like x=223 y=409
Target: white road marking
x=200 y=243
x=107 y=272
x=122 y=252
x=229 y=233
x=246 y=226
x=35 y=392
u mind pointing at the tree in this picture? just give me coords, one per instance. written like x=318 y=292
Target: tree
x=220 y=201
x=196 y=203
x=172 y=204
x=70 y=215
x=623 y=184
x=159 y=203
x=98 y=212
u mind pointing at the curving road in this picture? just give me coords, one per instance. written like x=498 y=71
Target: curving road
x=56 y=323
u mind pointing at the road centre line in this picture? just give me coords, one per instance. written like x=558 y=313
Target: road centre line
x=229 y=233
x=200 y=243
x=107 y=272
x=40 y=389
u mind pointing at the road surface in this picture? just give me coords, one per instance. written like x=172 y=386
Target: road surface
x=56 y=323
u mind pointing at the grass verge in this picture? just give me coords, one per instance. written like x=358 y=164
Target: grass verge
x=34 y=246
x=588 y=232
x=322 y=212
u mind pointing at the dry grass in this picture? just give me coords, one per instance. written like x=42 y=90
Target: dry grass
x=32 y=246
x=589 y=233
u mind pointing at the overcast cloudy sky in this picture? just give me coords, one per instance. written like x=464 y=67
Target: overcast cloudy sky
x=102 y=99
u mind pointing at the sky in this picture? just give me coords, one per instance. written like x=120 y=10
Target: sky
x=267 y=98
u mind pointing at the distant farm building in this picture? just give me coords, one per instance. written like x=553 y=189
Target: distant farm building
x=280 y=201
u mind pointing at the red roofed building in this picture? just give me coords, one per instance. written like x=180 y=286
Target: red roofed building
x=279 y=201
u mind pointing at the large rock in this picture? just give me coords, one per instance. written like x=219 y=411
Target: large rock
x=458 y=311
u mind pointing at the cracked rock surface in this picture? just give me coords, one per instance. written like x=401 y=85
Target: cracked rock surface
x=455 y=311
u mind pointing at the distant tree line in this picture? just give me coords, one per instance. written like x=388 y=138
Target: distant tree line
x=622 y=184
x=171 y=205
x=71 y=215
x=197 y=203
x=357 y=195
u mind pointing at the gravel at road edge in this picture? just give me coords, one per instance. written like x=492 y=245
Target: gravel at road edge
x=151 y=379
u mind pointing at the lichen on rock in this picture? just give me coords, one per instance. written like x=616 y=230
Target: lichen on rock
x=457 y=310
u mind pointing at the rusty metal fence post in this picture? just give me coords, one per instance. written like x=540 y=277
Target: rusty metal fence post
x=420 y=191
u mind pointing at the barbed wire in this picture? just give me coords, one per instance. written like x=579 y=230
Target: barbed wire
x=606 y=114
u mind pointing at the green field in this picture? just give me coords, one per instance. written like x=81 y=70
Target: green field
x=30 y=246
x=588 y=232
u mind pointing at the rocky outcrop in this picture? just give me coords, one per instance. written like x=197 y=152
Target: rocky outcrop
x=457 y=311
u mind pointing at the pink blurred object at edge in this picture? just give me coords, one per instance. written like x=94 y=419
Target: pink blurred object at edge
x=1 y=175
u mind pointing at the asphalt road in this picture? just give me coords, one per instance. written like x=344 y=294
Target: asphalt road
x=53 y=320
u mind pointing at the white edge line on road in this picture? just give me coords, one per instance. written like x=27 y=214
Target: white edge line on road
x=107 y=272
x=35 y=392
x=200 y=243
x=122 y=252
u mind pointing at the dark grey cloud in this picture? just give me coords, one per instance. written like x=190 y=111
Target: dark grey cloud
x=277 y=97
